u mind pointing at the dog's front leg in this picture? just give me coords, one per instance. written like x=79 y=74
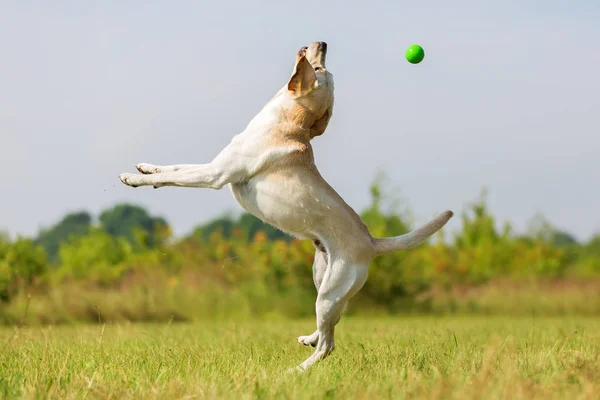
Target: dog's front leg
x=146 y=168
x=231 y=165
x=200 y=176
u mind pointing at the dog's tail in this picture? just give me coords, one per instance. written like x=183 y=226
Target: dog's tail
x=414 y=238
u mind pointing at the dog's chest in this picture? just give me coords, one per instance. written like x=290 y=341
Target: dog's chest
x=276 y=201
x=245 y=195
x=258 y=197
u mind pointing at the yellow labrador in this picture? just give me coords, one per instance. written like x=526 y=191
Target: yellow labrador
x=271 y=172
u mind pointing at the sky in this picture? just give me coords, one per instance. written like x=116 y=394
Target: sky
x=507 y=98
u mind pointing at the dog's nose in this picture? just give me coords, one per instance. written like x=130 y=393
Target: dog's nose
x=322 y=46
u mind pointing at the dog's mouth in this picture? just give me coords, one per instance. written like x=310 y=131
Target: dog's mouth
x=315 y=54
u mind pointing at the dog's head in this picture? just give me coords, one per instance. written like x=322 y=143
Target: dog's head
x=311 y=84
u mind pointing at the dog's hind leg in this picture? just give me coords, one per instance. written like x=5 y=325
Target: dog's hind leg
x=319 y=268
x=342 y=280
x=320 y=263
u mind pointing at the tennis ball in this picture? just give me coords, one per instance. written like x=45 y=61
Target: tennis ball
x=415 y=54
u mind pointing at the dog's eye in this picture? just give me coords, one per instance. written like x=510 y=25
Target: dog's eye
x=317 y=68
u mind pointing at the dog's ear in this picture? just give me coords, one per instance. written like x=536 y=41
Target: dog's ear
x=303 y=78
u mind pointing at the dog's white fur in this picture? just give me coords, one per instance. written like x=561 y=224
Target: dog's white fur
x=271 y=172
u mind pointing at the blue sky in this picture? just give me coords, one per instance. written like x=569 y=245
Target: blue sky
x=507 y=98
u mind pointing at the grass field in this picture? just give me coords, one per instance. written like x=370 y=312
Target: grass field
x=480 y=358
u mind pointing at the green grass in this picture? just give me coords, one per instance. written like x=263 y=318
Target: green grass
x=479 y=358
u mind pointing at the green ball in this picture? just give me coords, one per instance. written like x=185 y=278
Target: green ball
x=415 y=54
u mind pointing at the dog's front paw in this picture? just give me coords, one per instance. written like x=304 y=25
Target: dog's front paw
x=145 y=168
x=130 y=179
x=310 y=340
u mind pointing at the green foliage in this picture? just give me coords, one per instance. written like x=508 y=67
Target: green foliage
x=592 y=248
x=246 y=225
x=240 y=266
x=126 y=220
x=252 y=225
x=387 y=283
x=224 y=225
x=588 y=264
x=73 y=224
x=94 y=256
x=383 y=222
x=4 y=237
x=20 y=263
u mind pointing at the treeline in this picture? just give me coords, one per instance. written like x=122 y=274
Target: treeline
x=127 y=265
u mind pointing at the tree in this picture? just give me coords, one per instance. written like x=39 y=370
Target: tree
x=540 y=228
x=479 y=226
x=247 y=223
x=387 y=279
x=252 y=225
x=382 y=216
x=594 y=244
x=563 y=239
x=224 y=224
x=127 y=220
x=72 y=225
x=4 y=237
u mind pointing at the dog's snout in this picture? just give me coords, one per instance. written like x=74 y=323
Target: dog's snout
x=315 y=54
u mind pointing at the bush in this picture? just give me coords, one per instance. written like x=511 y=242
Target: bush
x=21 y=262
x=130 y=267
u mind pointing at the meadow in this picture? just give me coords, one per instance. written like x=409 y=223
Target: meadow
x=402 y=357
x=116 y=306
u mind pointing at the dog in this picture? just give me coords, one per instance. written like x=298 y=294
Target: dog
x=271 y=172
